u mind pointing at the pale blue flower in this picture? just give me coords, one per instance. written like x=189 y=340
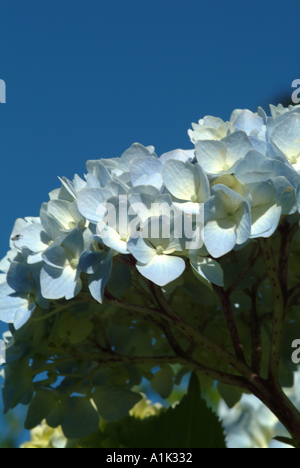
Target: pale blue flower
x=265 y=213
x=285 y=195
x=153 y=251
x=60 y=274
x=98 y=174
x=74 y=186
x=253 y=125
x=210 y=128
x=285 y=139
x=243 y=173
x=227 y=220
x=179 y=154
x=12 y=255
x=91 y=203
x=20 y=293
x=34 y=238
x=188 y=183
x=254 y=167
x=146 y=171
x=280 y=113
x=135 y=151
x=145 y=202
x=56 y=219
x=118 y=224
x=65 y=213
x=221 y=157
x=96 y=261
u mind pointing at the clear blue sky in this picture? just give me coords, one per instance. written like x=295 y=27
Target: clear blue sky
x=86 y=79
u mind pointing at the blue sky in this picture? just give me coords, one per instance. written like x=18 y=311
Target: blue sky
x=86 y=79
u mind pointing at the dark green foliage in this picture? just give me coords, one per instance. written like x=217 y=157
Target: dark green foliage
x=190 y=424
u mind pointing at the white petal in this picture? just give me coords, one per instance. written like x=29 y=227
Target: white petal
x=179 y=154
x=162 y=269
x=57 y=283
x=112 y=239
x=11 y=303
x=181 y=179
x=220 y=237
x=146 y=171
x=264 y=219
x=90 y=201
x=238 y=144
x=211 y=155
x=141 y=250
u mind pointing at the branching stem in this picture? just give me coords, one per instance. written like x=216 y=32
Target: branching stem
x=279 y=312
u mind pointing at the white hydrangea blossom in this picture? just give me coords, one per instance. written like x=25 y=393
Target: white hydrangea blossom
x=242 y=175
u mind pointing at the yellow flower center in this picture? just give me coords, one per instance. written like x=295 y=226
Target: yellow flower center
x=74 y=263
x=294 y=159
x=226 y=179
x=159 y=250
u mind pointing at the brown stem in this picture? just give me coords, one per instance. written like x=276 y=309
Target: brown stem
x=226 y=306
x=166 y=312
x=253 y=257
x=279 y=311
x=286 y=237
x=196 y=366
x=266 y=390
x=255 y=331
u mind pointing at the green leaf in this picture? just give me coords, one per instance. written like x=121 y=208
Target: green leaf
x=202 y=280
x=162 y=381
x=208 y=268
x=200 y=293
x=190 y=424
x=57 y=413
x=40 y=406
x=120 y=280
x=81 y=420
x=114 y=403
x=19 y=372
x=19 y=394
x=232 y=271
x=24 y=393
x=83 y=327
x=77 y=329
x=180 y=374
x=231 y=395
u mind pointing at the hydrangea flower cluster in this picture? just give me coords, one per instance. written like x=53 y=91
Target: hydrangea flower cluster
x=154 y=266
x=243 y=174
